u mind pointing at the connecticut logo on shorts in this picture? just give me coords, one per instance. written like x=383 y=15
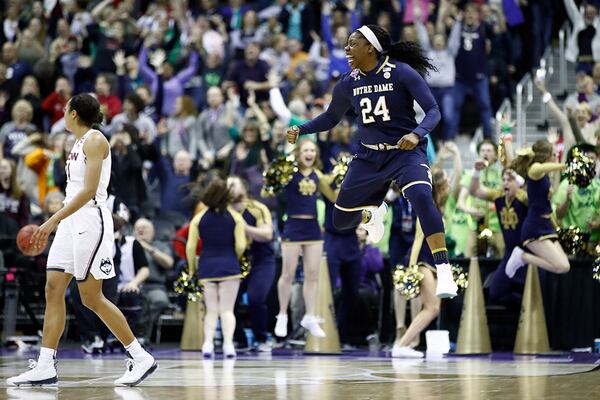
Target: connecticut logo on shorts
x=106 y=265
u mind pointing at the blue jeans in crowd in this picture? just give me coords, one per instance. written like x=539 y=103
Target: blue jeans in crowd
x=443 y=96
x=480 y=90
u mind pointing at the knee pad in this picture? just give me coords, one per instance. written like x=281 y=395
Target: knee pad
x=346 y=219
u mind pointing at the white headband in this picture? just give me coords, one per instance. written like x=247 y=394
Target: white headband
x=370 y=36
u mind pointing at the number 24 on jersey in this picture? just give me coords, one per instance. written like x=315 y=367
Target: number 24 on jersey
x=369 y=113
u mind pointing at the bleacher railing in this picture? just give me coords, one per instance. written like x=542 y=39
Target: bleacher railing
x=546 y=64
x=504 y=109
x=524 y=100
x=563 y=35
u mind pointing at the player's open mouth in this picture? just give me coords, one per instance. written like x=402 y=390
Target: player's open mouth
x=350 y=60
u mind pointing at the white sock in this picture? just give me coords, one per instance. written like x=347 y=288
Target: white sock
x=443 y=268
x=46 y=357
x=135 y=349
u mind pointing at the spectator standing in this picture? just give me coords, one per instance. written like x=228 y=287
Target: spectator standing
x=17 y=129
x=249 y=74
x=472 y=74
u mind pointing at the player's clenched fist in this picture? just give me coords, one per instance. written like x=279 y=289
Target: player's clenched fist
x=292 y=134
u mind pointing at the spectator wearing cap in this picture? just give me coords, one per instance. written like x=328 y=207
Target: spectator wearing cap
x=132 y=114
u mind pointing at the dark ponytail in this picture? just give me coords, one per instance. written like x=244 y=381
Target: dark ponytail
x=88 y=111
x=405 y=52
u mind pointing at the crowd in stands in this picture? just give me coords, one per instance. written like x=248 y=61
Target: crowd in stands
x=195 y=89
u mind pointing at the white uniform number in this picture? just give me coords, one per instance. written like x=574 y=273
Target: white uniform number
x=380 y=110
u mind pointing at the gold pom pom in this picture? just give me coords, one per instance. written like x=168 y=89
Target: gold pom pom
x=596 y=269
x=570 y=239
x=279 y=174
x=190 y=285
x=407 y=280
x=341 y=168
x=581 y=169
x=245 y=264
x=461 y=278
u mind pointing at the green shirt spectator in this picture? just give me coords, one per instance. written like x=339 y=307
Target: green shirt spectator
x=579 y=207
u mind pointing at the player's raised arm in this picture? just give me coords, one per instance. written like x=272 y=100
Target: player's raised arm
x=340 y=103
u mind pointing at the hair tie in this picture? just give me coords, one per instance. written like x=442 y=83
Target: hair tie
x=371 y=38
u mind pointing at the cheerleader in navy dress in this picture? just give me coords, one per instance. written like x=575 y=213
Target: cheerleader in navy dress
x=511 y=207
x=221 y=230
x=381 y=90
x=302 y=235
x=538 y=234
x=420 y=254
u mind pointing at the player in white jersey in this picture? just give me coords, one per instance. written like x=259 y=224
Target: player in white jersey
x=82 y=248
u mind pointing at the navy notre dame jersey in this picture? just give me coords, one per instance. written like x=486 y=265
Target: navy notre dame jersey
x=383 y=99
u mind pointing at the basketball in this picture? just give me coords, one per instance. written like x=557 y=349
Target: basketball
x=23 y=238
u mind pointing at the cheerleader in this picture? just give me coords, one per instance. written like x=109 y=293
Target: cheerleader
x=259 y=228
x=538 y=234
x=221 y=230
x=302 y=235
x=511 y=207
x=420 y=254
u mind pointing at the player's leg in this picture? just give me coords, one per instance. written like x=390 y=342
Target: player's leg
x=211 y=302
x=228 y=290
x=429 y=312
x=290 y=253
x=419 y=193
x=142 y=363
x=361 y=196
x=43 y=373
x=59 y=272
x=311 y=261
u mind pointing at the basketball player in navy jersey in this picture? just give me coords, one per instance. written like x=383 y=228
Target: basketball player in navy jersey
x=381 y=88
x=82 y=249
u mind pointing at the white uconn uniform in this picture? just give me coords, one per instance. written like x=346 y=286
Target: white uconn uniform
x=84 y=241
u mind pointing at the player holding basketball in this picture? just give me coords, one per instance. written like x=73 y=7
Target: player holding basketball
x=82 y=248
x=381 y=89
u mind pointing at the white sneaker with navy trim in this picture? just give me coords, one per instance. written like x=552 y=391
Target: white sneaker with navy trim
x=375 y=226
x=36 y=376
x=137 y=371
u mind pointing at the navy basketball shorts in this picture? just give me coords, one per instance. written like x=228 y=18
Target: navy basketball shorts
x=371 y=172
